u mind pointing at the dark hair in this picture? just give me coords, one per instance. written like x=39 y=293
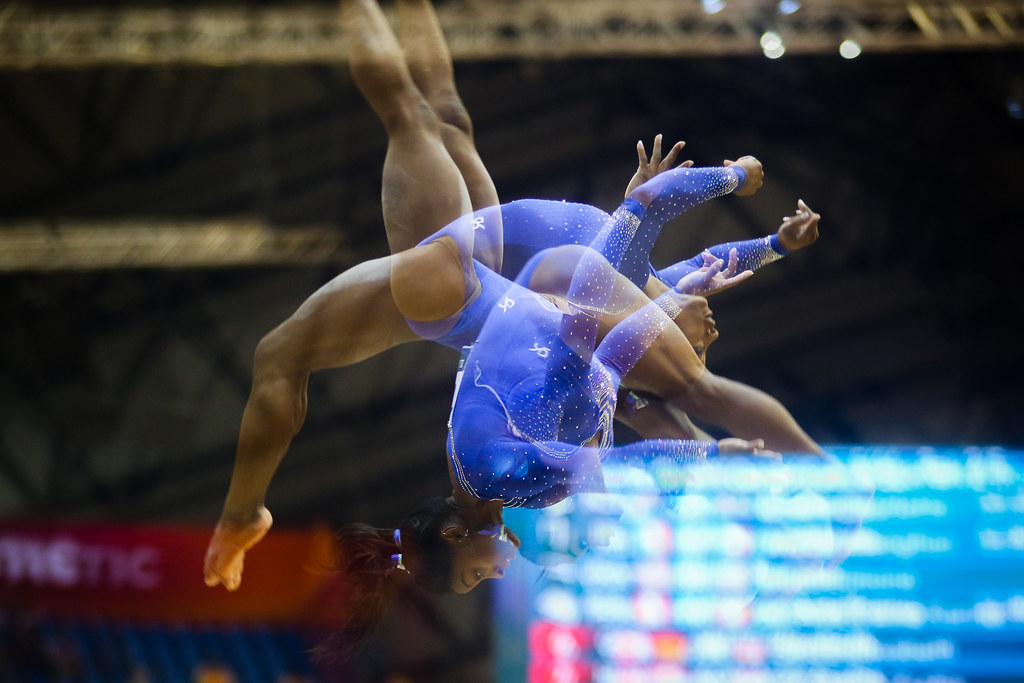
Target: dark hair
x=370 y=578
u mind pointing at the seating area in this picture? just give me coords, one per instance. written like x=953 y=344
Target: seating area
x=51 y=650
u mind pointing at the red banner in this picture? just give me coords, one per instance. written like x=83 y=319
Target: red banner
x=157 y=573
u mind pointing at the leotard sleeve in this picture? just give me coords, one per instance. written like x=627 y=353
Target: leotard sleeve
x=666 y=196
x=751 y=255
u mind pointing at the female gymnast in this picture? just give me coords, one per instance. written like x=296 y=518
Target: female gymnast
x=432 y=177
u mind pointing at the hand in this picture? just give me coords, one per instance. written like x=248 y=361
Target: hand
x=647 y=169
x=712 y=277
x=755 y=175
x=800 y=230
x=226 y=552
x=733 y=446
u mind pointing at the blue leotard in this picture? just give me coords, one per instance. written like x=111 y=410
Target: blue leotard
x=532 y=418
x=528 y=226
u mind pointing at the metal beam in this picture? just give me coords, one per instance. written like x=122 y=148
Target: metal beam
x=482 y=29
x=39 y=246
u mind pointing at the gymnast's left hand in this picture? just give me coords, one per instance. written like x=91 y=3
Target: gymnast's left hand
x=648 y=168
x=234 y=535
x=755 y=448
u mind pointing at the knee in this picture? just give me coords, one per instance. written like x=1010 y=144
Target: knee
x=410 y=113
x=450 y=110
x=428 y=283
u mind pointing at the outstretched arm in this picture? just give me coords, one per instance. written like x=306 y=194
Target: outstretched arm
x=652 y=418
x=745 y=412
x=742 y=258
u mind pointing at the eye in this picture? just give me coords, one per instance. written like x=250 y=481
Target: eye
x=477 y=574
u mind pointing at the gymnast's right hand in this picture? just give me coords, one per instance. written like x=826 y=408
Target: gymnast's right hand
x=233 y=536
x=755 y=175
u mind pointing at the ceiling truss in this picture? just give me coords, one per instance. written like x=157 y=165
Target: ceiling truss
x=481 y=29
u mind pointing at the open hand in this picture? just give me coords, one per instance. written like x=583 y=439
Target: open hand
x=714 y=276
x=648 y=168
x=226 y=552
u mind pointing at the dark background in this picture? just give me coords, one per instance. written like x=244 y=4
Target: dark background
x=121 y=390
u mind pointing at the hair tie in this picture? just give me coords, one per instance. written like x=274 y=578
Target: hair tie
x=396 y=559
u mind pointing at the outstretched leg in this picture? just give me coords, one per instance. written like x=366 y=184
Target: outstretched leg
x=422 y=189
x=430 y=63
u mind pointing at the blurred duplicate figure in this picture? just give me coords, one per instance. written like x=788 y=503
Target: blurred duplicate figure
x=602 y=320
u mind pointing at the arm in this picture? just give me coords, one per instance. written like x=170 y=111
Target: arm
x=672 y=192
x=672 y=371
x=745 y=412
x=652 y=418
x=744 y=257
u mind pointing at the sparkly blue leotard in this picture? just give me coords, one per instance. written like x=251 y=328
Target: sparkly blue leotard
x=532 y=418
x=529 y=226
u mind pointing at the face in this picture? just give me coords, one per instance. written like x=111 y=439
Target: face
x=696 y=323
x=485 y=554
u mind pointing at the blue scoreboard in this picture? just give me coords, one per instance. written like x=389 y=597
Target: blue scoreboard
x=879 y=564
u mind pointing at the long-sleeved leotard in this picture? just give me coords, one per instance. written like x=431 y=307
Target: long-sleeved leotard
x=529 y=226
x=535 y=224
x=533 y=414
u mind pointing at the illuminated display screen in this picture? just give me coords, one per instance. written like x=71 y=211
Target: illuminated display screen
x=886 y=564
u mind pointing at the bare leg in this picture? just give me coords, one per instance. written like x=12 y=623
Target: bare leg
x=430 y=63
x=422 y=188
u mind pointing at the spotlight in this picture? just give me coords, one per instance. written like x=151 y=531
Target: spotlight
x=849 y=49
x=770 y=40
x=775 y=52
x=788 y=6
x=712 y=6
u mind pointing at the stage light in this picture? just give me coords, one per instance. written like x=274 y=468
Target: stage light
x=788 y=6
x=712 y=6
x=771 y=43
x=849 y=49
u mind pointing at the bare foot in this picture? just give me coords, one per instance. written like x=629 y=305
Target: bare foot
x=226 y=553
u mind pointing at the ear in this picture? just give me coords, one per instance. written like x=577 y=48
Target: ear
x=454 y=533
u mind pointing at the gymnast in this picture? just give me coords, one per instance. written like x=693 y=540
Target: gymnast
x=432 y=177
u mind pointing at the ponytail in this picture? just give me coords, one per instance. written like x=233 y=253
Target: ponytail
x=374 y=563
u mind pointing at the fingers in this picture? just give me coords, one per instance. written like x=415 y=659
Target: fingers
x=686 y=164
x=656 y=150
x=641 y=153
x=670 y=158
x=734 y=260
x=802 y=206
x=740 y=277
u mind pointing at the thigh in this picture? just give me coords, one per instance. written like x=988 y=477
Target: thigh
x=422 y=189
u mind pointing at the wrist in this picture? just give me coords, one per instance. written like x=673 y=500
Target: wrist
x=776 y=242
x=741 y=174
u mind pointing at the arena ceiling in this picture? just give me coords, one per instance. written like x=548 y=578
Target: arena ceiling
x=158 y=215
